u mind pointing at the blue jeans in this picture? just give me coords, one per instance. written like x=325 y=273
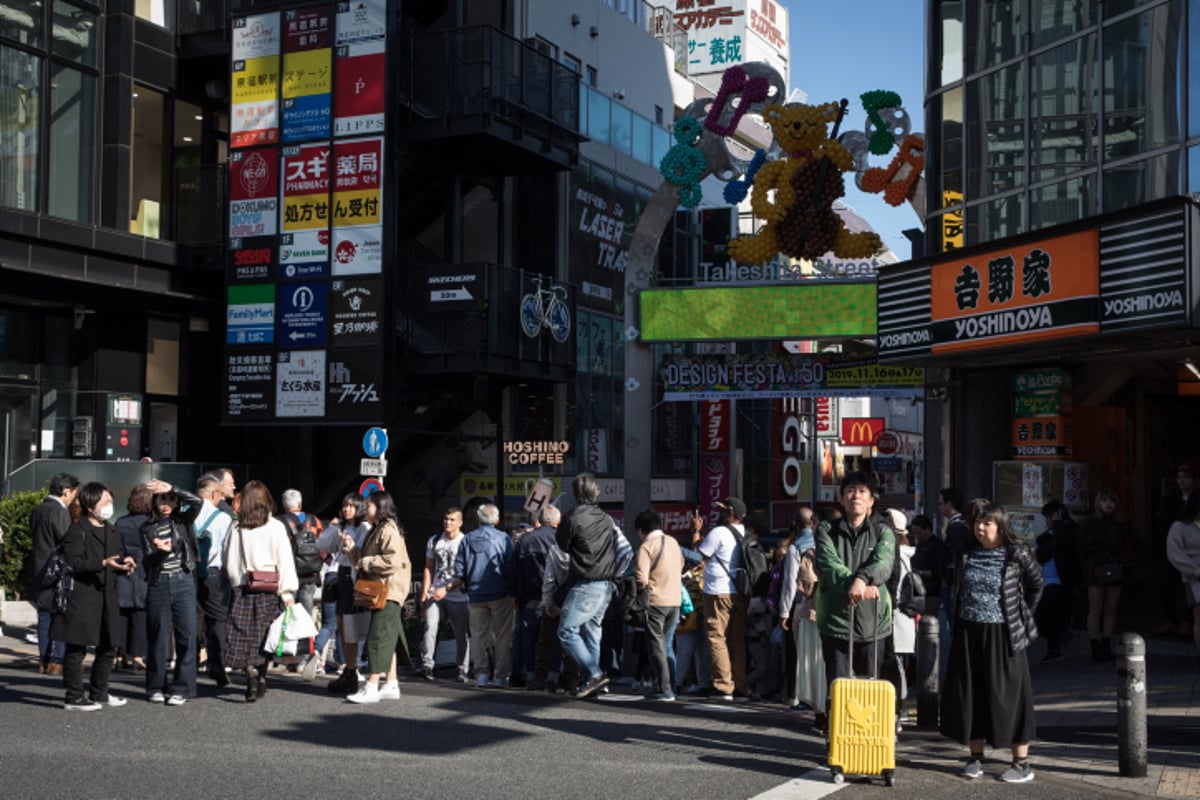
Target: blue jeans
x=171 y=605
x=329 y=627
x=579 y=624
x=525 y=639
x=48 y=652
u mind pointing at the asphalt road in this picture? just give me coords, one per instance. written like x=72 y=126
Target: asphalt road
x=439 y=741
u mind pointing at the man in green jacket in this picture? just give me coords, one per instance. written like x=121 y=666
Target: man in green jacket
x=854 y=562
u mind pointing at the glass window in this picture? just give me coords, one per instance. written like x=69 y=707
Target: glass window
x=21 y=21
x=72 y=180
x=1054 y=19
x=160 y=12
x=1066 y=201
x=1141 y=83
x=951 y=147
x=995 y=219
x=622 y=128
x=1193 y=67
x=1113 y=8
x=75 y=34
x=999 y=30
x=20 y=113
x=146 y=163
x=996 y=132
x=1193 y=176
x=946 y=231
x=591 y=76
x=662 y=143
x=641 y=139
x=947 y=54
x=572 y=63
x=1142 y=181
x=599 y=116
x=1063 y=109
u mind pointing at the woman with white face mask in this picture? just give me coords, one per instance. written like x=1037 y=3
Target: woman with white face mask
x=93 y=549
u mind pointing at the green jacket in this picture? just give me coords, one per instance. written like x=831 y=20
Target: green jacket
x=844 y=554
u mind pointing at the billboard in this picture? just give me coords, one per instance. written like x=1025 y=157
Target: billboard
x=357 y=206
x=300 y=383
x=250 y=385
x=254 y=82
x=731 y=313
x=250 y=314
x=356 y=311
x=253 y=192
x=307 y=73
x=743 y=376
x=359 y=103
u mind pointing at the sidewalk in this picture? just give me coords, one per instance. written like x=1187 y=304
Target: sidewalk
x=1077 y=723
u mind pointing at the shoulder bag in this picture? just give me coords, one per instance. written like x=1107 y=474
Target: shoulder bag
x=258 y=581
x=370 y=594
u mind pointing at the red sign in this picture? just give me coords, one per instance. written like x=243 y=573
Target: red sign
x=861 y=431
x=676 y=520
x=716 y=483
x=826 y=424
x=254 y=174
x=370 y=485
x=358 y=94
x=307 y=29
x=715 y=426
x=887 y=444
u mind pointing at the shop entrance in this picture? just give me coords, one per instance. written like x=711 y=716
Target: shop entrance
x=17 y=446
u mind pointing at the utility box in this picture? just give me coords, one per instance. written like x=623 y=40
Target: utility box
x=81 y=437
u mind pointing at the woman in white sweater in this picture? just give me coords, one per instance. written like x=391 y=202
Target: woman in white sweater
x=256 y=542
x=1183 y=551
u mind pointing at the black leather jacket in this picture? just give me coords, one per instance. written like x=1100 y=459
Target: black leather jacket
x=1022 y=590
x=183 y=531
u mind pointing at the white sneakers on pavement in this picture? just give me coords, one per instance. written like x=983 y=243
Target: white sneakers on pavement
x=390 y=691
x=367 y=693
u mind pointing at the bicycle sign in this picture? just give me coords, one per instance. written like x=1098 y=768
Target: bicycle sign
x=546 y=308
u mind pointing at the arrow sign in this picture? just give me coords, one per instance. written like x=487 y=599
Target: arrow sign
x=450 y=295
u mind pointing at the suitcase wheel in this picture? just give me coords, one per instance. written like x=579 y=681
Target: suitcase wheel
x=838 y=777
x=889 y=777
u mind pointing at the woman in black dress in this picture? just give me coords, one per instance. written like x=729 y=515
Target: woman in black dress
x=988 y=695
x=93 y=549
x=131 y=587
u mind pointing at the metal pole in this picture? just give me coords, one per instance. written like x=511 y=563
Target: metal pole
x=1131 y=705
x=928 y=640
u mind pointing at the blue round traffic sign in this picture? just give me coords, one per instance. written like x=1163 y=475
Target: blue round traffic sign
x=370 y=485
x=375 y=442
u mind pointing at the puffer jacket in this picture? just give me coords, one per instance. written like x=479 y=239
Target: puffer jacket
x=844 y=554
x=1022 y=591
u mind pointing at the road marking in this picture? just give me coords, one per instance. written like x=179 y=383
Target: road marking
x=814 y=784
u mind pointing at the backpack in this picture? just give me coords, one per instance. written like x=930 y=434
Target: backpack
x=304 y=546
x=633 y=601
x=59 y=576
x=752 y=576
x=910 y=590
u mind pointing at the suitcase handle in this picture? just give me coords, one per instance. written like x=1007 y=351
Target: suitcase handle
x=875 y=659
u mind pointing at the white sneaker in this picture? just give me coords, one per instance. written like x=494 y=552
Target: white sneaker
x=157 y=697
x=390 y=691
x=113 y=701
x=309 y=670
x=176 y=700
x=369 y=693
x=481 y=680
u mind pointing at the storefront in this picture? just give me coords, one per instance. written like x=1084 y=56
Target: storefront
x=1069 y=359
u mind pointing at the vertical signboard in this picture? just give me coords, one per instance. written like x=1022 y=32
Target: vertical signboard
x=716 y=31
x=253 y=193
x=716 y=468
x=300 y=384
x=361 y=67
x=307 y=73
x=254 y=84
x=357 y=206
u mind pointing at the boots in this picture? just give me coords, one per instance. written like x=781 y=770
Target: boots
x=1106 y=653
x=262 y=681
x=251 y=684
x=346 y=683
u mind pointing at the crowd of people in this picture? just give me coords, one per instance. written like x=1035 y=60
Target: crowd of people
x=544 y=608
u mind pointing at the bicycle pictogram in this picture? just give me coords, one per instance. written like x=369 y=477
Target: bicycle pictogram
x=546 y=308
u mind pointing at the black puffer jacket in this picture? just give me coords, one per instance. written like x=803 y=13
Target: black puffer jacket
x=1022 y=588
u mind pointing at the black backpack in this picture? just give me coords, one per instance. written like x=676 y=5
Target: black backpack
x=304 y=546
x=751 y=577
x=59 y=576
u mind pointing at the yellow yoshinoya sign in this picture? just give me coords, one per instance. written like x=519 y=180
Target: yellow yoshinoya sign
x=806 y=310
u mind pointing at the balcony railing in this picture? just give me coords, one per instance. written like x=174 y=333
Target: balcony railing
x=479 y=71
x=603 y=119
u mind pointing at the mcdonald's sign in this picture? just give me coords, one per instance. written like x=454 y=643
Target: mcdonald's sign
x=861 y=431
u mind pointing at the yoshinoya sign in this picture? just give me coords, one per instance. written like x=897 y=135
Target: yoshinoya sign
x=1030 y=292
x=1144 y=272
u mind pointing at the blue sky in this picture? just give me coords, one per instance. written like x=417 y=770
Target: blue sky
x=847 y=47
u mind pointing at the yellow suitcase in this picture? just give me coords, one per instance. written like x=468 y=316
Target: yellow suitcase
x=862 y=723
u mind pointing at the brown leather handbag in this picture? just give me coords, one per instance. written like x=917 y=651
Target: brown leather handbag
x=258 y=581
x=370 y=594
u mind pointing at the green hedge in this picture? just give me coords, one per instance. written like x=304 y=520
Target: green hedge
x=16 y=566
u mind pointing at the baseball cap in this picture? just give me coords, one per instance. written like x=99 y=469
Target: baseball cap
x=734 y=506
x=896 y=519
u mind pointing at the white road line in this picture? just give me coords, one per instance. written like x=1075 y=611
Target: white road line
x=814 y=784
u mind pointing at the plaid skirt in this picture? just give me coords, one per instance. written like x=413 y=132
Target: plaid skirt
x=246 y=627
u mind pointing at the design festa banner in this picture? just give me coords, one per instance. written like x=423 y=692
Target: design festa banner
x=783 y=375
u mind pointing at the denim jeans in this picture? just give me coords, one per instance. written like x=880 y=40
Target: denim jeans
x=460 y=622
x=48 y=652
x=579 y=624
x=171 y=605
x=525 y=639
x=329 y=629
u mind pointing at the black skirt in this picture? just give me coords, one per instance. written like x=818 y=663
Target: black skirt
x=988 y=693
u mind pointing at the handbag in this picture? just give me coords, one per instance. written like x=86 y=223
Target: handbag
x=1109 y=574
x=258 y=581
x=370 y=594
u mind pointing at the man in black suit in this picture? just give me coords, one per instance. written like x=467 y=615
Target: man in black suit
x=47 y=526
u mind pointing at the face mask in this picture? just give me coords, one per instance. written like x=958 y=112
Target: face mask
x=105 y=513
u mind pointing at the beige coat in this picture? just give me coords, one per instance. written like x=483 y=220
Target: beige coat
x=384 y=557
x=666 y=578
